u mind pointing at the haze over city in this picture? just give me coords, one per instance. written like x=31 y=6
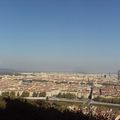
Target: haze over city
x=64 y=35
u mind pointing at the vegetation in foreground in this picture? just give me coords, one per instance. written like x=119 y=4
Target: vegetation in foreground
x=20 y=109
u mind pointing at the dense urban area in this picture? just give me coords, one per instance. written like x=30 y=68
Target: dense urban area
x=86 y=96
x=56 y=84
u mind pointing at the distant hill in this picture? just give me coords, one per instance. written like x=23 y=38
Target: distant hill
x=7 y=71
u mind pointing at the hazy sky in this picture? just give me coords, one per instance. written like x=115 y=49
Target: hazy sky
x=60 y=35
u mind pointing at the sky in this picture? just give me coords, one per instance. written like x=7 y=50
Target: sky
x=60 y=35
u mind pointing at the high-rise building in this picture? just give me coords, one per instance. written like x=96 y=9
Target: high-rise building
x=119 y=76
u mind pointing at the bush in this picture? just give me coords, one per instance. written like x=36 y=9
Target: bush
x=2 y=103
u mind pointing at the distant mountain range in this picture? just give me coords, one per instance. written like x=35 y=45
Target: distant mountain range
x=7 y=71
x=12 y=71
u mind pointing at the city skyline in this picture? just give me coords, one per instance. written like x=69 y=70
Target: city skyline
x=60 y=35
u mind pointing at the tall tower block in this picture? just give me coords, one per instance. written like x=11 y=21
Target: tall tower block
x=119 y=76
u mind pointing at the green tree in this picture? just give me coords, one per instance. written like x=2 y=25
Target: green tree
x=42 y=94
x=18 y=94
x=12 y=94
x=66 y=95
x=35 y=94
x=5 y=94
x=25 y=94
x=2 y=104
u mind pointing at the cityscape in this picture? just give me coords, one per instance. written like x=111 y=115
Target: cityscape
x=59 y=60
x=54 y=83
x=89 y=90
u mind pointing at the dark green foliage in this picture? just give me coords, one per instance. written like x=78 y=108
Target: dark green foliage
x=2 y=103
x=66 y=95
x=25 y=94
x=108 y=100
x=5 y=94
x=105 y=76
x=47 y=98
x=18 y=94
x=20 y=109
x=12 y=94
x=35 y=94
x=42 y=94
x=100 y=90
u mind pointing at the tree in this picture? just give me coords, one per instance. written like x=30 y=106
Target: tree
x=47 y=98
x=18 y=94
x=42 y=94
x=5 y=94
x=66 y=95
x=35 y=94
x=100 y=90
x=2 y=104
x=12 y=94
x=105 y=76
x=25 y=94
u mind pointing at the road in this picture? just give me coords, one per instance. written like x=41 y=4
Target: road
x=105 y=104
x=90 y=102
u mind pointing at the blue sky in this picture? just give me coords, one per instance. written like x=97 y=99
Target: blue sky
x=60 y=35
